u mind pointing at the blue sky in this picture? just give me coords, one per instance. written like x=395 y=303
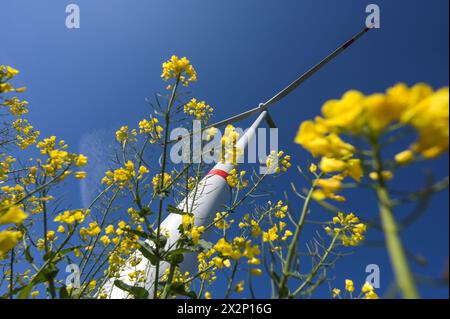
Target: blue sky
x=96 y=78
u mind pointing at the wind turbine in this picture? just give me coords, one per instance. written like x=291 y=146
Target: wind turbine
x=213 y=191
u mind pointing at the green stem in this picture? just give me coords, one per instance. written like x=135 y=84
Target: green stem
x=230 y=283
x=317 y=267
x=397 y=254
x=53 y=256
x=169 y=282
x=11 y=275
x=282 y=287
x=51 y=283
x=163 y=168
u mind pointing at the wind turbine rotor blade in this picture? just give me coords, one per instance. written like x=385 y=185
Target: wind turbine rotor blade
x=236 y=118
x=270 y=121
x=288 y=89
x=225 y=122
x=291 y=87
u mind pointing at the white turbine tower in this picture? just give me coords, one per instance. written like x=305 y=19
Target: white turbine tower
x=212 y=191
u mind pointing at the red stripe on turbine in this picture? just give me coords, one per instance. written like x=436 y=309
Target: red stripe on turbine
x=218 y=172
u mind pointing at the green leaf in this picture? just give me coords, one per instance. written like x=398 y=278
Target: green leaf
x=181 y=250
x=12 y=293
x=192 y=295
x=145 y=212
x=26 y=291
x=174 y=258
x=149 y=254
x=276 y=277
x=57 y=258
x=173 y=210
x=140 y=234
x=50 y=255
x=68 y=250
x=28 y=256
x=63 y=293
x=180 y=290
x=161 y=242
x=44 y=275
x=137 y=292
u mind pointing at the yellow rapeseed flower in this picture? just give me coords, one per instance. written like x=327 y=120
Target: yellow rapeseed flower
x=199 y=109
x=80 y=175
x=8 y=240
x=351 y=231
x=256 y=272
x=179 y=69
x=240 y=287
x=156 y=182
x=404 y=157
x=14 y=215
x=336 y=292
x=349 y=286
